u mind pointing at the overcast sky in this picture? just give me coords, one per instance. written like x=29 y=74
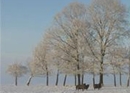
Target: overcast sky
x=23 y=23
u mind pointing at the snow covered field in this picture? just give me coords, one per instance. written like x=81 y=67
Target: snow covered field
x=59 y=89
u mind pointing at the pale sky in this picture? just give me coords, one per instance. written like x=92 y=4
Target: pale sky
x=23 y=23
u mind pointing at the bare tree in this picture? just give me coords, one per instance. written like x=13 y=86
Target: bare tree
x=16 y=70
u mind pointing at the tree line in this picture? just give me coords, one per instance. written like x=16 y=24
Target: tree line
x=84 y=39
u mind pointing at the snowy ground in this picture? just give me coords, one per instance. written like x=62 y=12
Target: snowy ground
x=60 y=89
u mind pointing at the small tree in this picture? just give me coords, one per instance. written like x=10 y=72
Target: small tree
x=42 y=58
x=32 y=66
x=16 y=70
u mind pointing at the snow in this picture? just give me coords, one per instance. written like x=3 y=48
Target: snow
x=60 y=89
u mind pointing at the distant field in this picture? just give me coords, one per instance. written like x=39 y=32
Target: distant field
x=60 y=89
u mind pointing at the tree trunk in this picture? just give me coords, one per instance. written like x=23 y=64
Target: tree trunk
x=82 y=69
x=93 y=79
x=77 y=54
x=78 y=75
x=16 y=79
x=101 y=79
x=82 y=78
x=28 y=83
x=57 y=77
x=128 y=81
x=78 y=79
x=120 y=80
x=47 y=79
x=75 y=79
x=64 y=80
x=114 y=79
x=101 y=73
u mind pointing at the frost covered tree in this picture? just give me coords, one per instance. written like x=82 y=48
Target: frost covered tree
x=108 y=20
x=81 y=31
x=68 y=25
x=121 y=64
x=117 y=63
x=113 y=70
x=57 y=63
x=62 y=59
x=94 y=29
x=17 y=70
x=41 y=58
x=34 y=72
